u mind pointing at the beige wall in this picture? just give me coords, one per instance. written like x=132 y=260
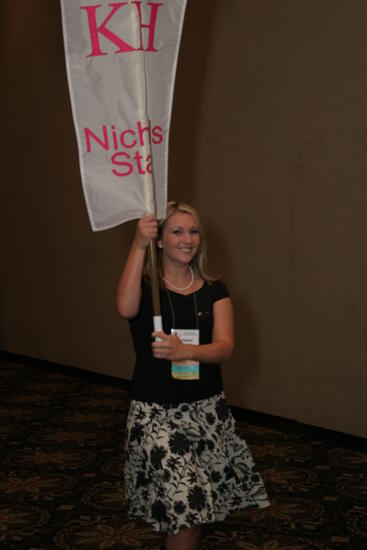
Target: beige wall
x=269 y=141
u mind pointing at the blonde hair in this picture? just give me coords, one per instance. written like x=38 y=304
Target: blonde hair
x=199 y=261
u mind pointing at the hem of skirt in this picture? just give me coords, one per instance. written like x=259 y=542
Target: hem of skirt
x=218 y=517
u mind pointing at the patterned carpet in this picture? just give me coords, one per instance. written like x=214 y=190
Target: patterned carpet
x=62 y=435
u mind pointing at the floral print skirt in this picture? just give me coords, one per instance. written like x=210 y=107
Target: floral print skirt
x=186 y=465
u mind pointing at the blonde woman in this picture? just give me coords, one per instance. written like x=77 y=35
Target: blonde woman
x=185 y=463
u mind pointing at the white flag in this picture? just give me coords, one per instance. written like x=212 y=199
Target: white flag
x=121 y=62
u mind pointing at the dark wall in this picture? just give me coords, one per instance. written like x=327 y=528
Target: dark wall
x=268 y=140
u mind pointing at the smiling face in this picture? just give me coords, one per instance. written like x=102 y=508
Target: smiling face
x=180 y=239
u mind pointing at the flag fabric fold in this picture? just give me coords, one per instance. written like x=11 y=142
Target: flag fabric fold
x=121 y=62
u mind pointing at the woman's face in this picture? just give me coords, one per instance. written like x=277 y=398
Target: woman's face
x=180 y=238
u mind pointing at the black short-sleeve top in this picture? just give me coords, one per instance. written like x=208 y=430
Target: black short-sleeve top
x=152 y=380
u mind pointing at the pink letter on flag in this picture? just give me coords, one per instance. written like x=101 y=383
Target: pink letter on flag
x=121 y=61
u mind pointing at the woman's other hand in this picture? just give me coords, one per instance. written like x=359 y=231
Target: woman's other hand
x=169 y=347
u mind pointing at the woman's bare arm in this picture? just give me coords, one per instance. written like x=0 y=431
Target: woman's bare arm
x=129 y=287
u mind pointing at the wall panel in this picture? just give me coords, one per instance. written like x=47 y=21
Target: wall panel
x=268 y=139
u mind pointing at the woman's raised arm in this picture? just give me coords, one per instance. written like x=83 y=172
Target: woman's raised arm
x=129 y=286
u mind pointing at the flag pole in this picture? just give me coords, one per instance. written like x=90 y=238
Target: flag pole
x=148 y=177
x=157 y=318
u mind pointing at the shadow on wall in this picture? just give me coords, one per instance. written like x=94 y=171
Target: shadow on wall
x=245 y=362
x=241 y=371
x=187 y=140
x=192 y=68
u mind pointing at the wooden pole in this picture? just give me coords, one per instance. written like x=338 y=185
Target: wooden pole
x=148 y=177
x=154 y=279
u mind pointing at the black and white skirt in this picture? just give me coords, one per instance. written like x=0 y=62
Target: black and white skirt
x=186 y=465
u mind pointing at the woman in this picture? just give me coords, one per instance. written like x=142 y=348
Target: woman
x=185 y=464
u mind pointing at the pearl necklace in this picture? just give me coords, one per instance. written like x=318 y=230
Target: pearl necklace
x=184 y=287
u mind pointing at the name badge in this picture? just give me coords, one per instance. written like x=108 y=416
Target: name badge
x=186 y=370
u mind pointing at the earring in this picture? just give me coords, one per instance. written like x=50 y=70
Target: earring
x=159 y=245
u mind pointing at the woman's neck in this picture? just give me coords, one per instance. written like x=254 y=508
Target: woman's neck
x=177 y=274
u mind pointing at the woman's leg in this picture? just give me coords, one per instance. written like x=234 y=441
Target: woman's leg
x=187 y=539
